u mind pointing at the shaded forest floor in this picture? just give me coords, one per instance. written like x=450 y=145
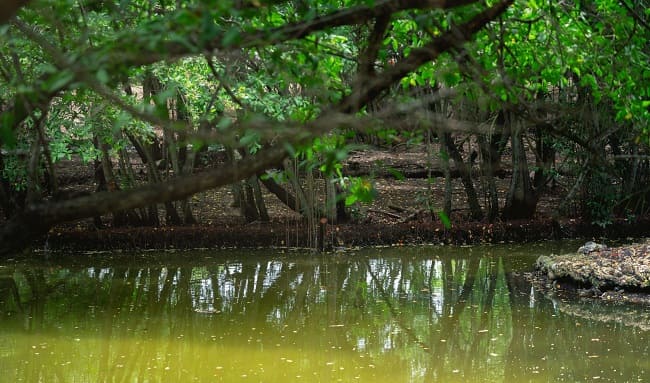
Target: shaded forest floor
x=400 y=214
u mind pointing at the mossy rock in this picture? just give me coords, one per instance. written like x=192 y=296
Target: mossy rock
x=626 y=267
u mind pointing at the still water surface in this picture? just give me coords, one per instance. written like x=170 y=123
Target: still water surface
x=429 y=314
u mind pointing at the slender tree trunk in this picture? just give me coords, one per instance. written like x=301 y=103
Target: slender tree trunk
x=171 y=214
x=342 y=214
x=251 y=203
x=152 y=175
x=11 y=200
x=119 y=217
x=330 y=200
x=259 y=199
x=466 y=177
x=488 y=177
x=188 y=166
x=182 y=162
x=444 y=156
x=45 y=146
x=5 y=202
x=248 y=208
x=291 y=170
x=429 y=164
x=129 y=174
x=33 y=179
x=544 y=160
x=237 y=194
x=312 y=211
x=521 y=199
x=171 y=217
x=155 y=88
x=107 y=168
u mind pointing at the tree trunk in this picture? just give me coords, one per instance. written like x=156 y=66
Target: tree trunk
x=171 y=214
x=466 y=176
x=188 y=166
x=127 y=170
x=22 y=229
x=5 y=203
x=259 y=199
x=11 y=200
x=52 y=179
x=128 y=178
x=33 y=179
x=119 y=217
x=487 y=169
x=248 y=207
x=151 y=88
x=521 y=200
x=330 y=200
x=291 y=170
x=236 y=194
x=144 y=151
x=544 y=160
x=178 y=153
x=444 y=156
x=342 y=214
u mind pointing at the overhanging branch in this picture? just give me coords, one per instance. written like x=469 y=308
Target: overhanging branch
x=133 y=53
x=367 y=91
x=38 y=219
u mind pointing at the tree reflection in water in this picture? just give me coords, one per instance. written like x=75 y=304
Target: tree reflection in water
x=410 y=315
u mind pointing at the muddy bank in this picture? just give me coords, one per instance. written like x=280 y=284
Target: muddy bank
x=618 y=274
x=626 y=267
x=296 y=234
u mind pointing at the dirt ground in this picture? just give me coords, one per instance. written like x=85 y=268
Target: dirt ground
x=400 y=214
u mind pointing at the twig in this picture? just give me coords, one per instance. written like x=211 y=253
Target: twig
x=392 y=215
x=399 y=209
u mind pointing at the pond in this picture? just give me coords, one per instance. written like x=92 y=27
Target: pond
x=427 y=314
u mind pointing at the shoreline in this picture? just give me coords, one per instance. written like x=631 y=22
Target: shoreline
x=285 y=234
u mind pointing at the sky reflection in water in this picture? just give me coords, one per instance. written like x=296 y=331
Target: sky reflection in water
x=431 y=314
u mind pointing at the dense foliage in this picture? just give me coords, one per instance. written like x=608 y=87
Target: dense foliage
x=290 y=85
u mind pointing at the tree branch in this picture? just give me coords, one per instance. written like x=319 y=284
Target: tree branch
x=634 y=15
x=368 y=90
x=37 y=219
x=369 y=56
x=136 y=53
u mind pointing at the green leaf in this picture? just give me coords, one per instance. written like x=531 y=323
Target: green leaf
x=249 y=139
x=351 y=200
x=362 y=190
x=396 y=173
x=444 y=219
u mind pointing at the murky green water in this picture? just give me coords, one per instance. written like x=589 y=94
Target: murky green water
x=433 y=314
